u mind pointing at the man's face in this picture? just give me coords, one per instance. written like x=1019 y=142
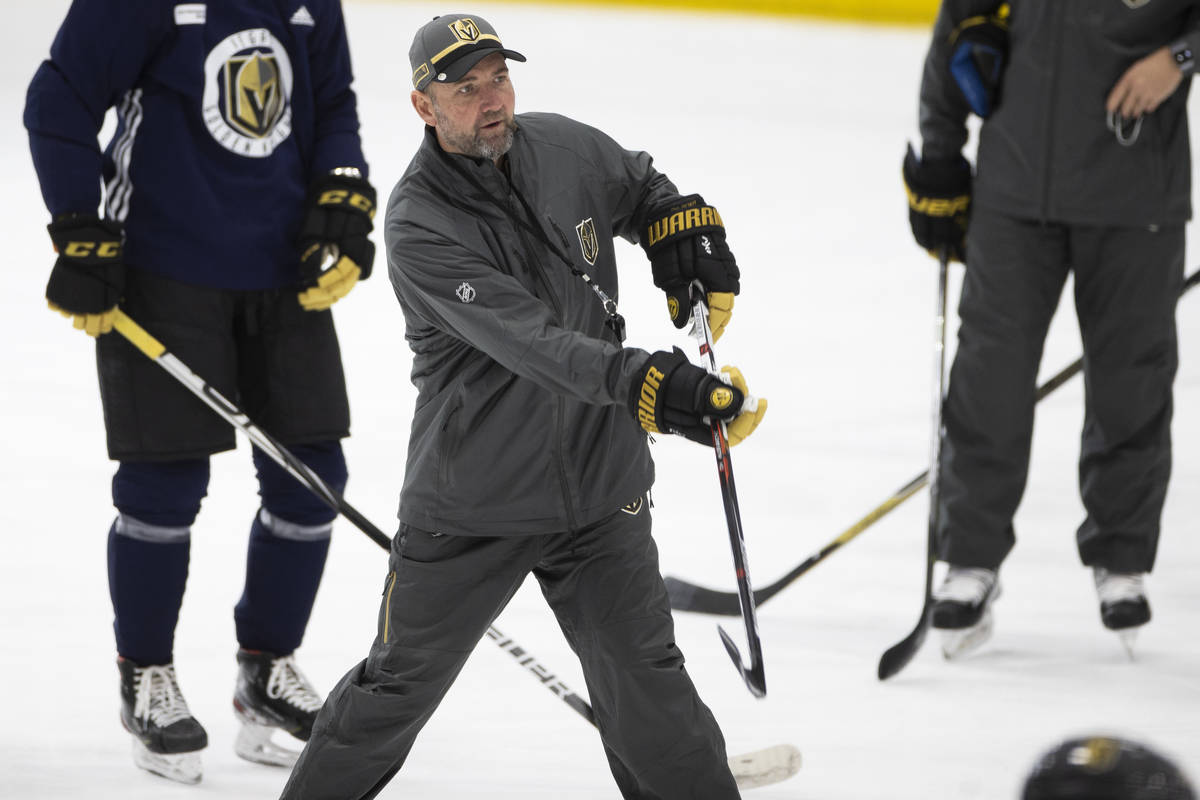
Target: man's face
x=474 y=116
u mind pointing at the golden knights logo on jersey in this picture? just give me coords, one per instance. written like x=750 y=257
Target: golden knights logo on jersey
x=589 y=242
x=247 y=93
x=253 y=95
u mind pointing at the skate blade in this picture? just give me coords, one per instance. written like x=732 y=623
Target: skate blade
x=764 y=767
x=958 y=643
x=1128 y=637
x=178 y=767
x=254 y=743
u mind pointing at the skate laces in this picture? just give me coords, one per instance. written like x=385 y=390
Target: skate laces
x=966 y=585
x=1118 y=587
x=158 y=696
x=287 y=682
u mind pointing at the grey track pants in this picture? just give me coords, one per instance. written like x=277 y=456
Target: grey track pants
x=604 y=586
x=1127 y=281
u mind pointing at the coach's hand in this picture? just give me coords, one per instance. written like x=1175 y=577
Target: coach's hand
x=685 y=241
x=672 y=395
x=341 y=207
x=89 y=276
x=939 y=203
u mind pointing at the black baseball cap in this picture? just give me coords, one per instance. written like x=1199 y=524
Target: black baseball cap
x=446 y=48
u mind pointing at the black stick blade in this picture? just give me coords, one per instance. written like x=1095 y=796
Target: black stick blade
x=686 y=596
x=754 y=675
x=896 y=657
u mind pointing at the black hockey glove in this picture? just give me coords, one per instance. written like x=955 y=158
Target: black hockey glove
x=685 y=241
x=978 y=51
x=88 y=278
x=672 y=395
x=341 y=206
x=939 y=200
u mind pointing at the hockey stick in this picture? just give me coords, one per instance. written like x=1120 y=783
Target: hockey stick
x=155 y=351
x=898 y=655
x=754 y=674
x=687 y=596
x=756 y=768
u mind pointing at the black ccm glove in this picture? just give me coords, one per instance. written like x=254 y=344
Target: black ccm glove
x=672 y=395
x=939 y=199
x=341 y=206
x=685 y=241
x=89 y=276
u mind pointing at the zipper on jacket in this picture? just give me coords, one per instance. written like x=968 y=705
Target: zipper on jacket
x=561 y=461
x=539 y=273
x=1048 y=151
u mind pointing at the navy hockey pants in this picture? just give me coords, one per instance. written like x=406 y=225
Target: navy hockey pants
x=1127 y=281
x=443 y=592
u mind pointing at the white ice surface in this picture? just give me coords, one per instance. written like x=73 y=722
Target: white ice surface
x=795 y=131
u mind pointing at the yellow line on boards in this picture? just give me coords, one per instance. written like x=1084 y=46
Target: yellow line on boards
x=913 y=12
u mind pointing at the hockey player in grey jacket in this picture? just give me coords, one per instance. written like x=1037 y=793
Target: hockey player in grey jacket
x=528 y=450
x=1083 y=168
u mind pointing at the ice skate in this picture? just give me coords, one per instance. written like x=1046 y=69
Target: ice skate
x=1123 y=604
x=167 y=739
x=962 y=609
x=272 y=694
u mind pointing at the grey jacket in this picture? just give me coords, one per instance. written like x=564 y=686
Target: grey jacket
x=522 y=423
x=1046 y=152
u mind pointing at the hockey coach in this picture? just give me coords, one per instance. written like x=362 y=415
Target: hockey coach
x=529 y=444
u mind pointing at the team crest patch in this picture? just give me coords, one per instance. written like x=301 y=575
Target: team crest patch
x=588 y=241
x=634 y=508
x=465 y=29
x=247 y=102
x=465 y=292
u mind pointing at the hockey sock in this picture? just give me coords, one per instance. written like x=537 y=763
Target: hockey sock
x=147 y=574
x=284 y=564
x=149 y=546
x=289 y=541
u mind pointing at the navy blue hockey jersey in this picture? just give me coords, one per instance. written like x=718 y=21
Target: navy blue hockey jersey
x=225 y=113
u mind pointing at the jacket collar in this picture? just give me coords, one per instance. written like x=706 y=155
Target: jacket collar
x=464 y=174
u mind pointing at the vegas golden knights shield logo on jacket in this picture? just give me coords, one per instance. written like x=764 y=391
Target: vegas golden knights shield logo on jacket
x=588 y=240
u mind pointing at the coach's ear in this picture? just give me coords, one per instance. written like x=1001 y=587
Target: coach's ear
x=423 y=105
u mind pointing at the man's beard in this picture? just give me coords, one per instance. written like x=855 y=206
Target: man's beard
x=472 y=143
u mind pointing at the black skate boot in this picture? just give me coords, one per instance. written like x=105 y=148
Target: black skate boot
x=167 y=739
x=272 y=694
x=962 y=609
x=1123 y=604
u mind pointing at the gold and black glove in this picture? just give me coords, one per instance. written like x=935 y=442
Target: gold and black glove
x=88 y=278
x=341 y=207
x=685 y=241
x=672 y=395
x=939 y=203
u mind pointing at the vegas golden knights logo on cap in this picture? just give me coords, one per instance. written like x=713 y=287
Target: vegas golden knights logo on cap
x=465 y=29
x=588 y=241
